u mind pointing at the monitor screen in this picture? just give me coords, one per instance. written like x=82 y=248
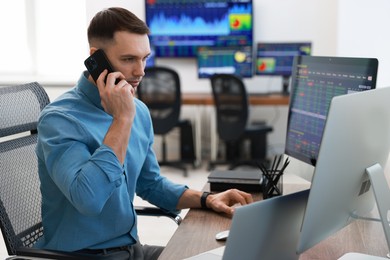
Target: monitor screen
x=315 y=81
x=225 y=60
x=277 y=58
x=179 y=27
x=356 y=138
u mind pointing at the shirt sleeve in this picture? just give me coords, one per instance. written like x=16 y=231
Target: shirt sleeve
x=93 y=172
x=155 y=188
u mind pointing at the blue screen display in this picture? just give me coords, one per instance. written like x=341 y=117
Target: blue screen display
x=277 y=58
x=228 y=60
x=179 y=27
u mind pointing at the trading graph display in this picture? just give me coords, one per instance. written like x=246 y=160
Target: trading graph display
x=277 y=58
x=179 y=27
x=315 y=81
x=227 y=60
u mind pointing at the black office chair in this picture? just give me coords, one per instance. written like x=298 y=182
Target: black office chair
x=20 y=197
x=232 y=111
x=160 y=90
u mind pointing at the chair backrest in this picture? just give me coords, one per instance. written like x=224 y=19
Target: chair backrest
x=231 y=101
x=160 y=91
x=20 y=197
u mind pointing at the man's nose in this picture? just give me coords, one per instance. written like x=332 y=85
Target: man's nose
x=139 y=69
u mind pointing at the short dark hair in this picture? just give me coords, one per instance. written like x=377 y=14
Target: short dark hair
x=108 y=21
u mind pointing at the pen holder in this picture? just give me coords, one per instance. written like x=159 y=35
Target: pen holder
x=272 y=181
x=272 y=184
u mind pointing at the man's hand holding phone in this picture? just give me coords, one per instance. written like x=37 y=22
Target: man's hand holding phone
x=117 y=95
x=117 y=99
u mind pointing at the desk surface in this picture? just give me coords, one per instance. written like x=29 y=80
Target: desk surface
x=197 y=231
x=254 y=99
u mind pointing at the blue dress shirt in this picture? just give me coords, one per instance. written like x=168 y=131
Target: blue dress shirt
x=87 y=195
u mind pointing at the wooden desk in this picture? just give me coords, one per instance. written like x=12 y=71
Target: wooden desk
x=254 y=99
x=197 y=231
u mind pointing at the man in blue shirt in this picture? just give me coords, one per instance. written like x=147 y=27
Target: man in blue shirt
x=95 y=153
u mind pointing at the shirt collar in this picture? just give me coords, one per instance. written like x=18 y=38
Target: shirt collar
x=89 y=89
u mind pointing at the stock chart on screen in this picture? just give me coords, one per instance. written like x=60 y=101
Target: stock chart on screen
x=179 y=27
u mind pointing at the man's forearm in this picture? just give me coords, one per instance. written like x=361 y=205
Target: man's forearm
x=189 y=199
x=117 y=137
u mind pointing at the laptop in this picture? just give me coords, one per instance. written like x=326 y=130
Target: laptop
x=267 y=229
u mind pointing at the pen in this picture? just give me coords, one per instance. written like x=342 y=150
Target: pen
x=281 y=172
x=270 y=183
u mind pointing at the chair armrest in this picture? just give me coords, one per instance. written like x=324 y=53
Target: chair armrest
x=157 y=212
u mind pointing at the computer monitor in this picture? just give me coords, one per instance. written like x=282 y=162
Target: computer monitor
x=354 y=150
x=179 y=27
x=227 y=60
x=276 y=59
x=315 y=81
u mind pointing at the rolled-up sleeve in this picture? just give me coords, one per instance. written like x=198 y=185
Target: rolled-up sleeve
x=87 y=173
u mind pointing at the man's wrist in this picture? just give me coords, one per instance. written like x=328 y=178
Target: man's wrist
x=203 y=199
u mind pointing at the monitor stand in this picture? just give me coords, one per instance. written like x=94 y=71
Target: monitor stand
x=286 y=83
x=382 y=196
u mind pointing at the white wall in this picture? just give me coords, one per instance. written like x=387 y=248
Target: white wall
x=363 y=32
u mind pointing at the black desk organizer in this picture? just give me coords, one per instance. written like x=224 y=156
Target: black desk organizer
x=272 y=183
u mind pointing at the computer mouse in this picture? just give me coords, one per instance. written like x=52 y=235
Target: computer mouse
x=222 y=236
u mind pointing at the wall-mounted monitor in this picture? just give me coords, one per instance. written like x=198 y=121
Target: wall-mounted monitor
x=179 y=27
x=226 y=60
x=277 y=58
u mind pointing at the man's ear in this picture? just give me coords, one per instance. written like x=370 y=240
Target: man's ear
x=92 y=50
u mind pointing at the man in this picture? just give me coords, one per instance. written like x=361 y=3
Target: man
x=95 y=153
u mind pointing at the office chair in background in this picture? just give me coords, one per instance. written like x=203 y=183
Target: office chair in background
x=232 y=112
x=160 y=90
x=20 y=196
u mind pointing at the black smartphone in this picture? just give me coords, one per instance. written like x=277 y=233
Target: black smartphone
x=97 y=63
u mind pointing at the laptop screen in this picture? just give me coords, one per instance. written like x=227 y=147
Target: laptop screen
x=315 y=81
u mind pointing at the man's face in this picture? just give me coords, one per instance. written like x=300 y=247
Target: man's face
x=128 y=54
